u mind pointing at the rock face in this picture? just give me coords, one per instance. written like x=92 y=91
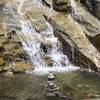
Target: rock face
x=79 y=36
x=13 y=58
x=72 y=51
x=97 y=8
x=93 y=6
x=11 y=51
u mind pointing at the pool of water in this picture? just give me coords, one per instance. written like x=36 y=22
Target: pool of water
x=76 y=85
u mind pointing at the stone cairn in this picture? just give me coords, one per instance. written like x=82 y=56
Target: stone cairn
x=52 y=89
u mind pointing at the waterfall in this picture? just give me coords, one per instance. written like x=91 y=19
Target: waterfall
x=73 y=4
x=32 y=40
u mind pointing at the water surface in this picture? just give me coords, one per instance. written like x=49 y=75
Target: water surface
x=76 y=85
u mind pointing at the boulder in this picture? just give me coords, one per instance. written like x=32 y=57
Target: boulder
x=74 y=36
x=48 y=61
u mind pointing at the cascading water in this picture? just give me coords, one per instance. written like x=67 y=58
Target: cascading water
x=31 y=41
x=73 y=4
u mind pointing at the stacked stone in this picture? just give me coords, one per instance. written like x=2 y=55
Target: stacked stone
x=51 y=88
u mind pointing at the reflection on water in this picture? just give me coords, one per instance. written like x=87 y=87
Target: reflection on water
x=76 y=85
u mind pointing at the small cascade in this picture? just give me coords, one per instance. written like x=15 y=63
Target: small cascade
x=32 y=40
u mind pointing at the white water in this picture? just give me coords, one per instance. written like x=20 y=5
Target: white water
x=74 y=9
x=31 y=41
x=73 y=4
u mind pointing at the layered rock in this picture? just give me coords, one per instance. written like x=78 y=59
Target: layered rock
x=74 y=34
x=93 y=6
x=11 y=51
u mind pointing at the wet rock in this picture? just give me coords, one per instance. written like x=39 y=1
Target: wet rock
x=44 y=47
x=48 y=61
x=73 y=37
x=21 y=66
x=61 y=5
x=96 y=10
x=1 y=48
x=45 y=3
x=40 y=25
x=7 y=57
x=93 y=6
x=22 y=55
x=89 y=4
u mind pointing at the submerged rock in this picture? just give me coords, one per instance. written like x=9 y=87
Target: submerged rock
x=8 y=74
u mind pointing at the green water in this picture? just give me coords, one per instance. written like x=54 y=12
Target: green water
x=76 y=85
